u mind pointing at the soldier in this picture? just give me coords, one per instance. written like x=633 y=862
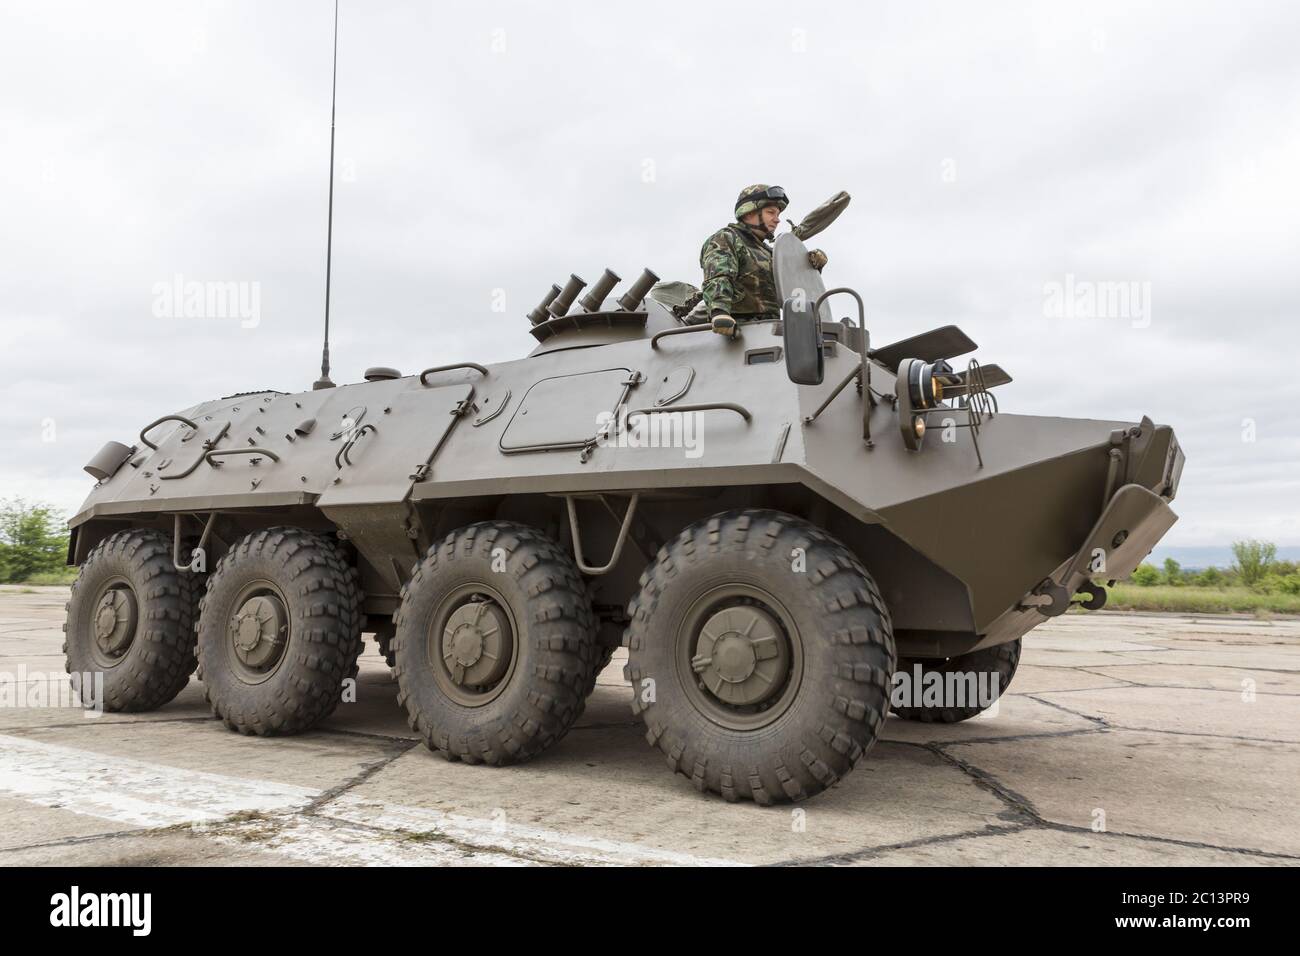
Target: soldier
x=737 y=261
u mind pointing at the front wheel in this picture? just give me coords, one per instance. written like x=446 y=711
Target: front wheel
x=760 y=654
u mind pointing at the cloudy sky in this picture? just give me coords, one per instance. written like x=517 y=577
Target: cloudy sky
x=997 y=154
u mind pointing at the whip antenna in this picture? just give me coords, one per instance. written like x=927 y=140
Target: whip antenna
x=324 y=380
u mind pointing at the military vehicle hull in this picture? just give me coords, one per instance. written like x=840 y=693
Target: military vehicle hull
x=626 y=455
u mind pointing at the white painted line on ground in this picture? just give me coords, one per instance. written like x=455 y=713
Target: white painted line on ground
x=132 y=791
x=350 y=830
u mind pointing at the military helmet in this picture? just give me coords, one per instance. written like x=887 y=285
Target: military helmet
x=753 y=198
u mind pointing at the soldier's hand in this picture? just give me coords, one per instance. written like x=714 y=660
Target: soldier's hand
x=724 y=324
x=817 y=259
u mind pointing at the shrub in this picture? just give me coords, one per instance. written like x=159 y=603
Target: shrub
x=1281 y=583
x=1253 y=560
x=1146 y=575
x=32 y=540
x=1211 y=577
x=1173 y=572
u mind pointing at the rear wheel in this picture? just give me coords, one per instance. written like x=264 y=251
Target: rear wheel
x=131 y=618
x=279 y=630
x=760 y=654
x=955 y=689
x=495 y=644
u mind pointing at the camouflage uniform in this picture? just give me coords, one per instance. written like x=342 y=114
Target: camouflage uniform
x=738 y=279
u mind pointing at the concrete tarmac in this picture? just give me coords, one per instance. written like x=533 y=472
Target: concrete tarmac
x=1141 y=739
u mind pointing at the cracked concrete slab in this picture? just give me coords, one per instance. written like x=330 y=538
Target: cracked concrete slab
x=188 y=705
x=607 y=783
x=1227 y=713
x=1081 y=656
x=311 y=760
x=24 y=822
x=1042 y=846
x=1015 y=715
x=1097 y=643
x=1031 y=679
x=1276 y=636
x=1268 y=657
x=175 y=787
x=151 y=848
x=1225 y=793
x=1139 y=625
x=1210 y=678
x=316 y=840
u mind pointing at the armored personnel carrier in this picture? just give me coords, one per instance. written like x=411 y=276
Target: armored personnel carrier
x=775 y=526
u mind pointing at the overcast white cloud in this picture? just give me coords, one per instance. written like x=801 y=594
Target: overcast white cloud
x=486 y=152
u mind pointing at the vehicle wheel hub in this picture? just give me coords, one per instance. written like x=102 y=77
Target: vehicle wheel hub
x=476 y=644
x=115 y=621
x=741 y=657
x=258 y=630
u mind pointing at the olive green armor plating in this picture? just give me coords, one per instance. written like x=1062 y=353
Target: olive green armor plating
x=773 y=555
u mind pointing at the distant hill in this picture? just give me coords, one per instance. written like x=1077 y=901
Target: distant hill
x=1217 y=556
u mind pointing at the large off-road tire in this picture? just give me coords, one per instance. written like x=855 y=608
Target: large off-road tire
x=604 y=654
x=131 y=617
x=384 y=644
x=495 y=643
x=760 y=654
x=998 y=663
x=279 y=630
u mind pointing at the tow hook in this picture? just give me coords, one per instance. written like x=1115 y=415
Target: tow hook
x=1051 y=599
x=1096 y=596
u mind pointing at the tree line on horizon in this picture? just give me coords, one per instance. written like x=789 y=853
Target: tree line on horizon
x=1255 y=565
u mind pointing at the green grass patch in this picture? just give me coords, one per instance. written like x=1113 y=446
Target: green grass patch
x=62 y=576
x=1197 y=600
